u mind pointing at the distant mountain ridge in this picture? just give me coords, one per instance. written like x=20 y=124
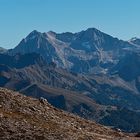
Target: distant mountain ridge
x=78 y=52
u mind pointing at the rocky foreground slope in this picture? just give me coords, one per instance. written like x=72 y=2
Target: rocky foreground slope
x=23 y=117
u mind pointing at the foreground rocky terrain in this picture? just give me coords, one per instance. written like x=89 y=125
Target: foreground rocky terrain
x=23 y=117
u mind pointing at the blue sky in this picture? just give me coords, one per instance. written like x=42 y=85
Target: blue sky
x=119 y=18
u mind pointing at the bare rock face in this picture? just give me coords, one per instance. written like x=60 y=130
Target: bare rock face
x=80 y=52
x=2 y=50
x=135 y=41
x=23 y=117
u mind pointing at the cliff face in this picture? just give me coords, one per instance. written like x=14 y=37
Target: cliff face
x=83 y=52
x=23 y=117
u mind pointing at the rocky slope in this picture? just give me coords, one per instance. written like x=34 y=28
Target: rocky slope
x=23 y=117
x=129 y=67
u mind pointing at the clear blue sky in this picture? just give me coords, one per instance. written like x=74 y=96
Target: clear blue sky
x=120 y=18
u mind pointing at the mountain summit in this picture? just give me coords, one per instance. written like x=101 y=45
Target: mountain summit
x=78 y=52
x=135 y=41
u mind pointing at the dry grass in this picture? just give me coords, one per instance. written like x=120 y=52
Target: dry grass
x=27 y=118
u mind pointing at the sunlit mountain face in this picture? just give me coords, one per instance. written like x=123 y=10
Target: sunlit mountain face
x=89 y=51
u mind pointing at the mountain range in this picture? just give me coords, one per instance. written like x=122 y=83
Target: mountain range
x=89 y=73
x=83 y=52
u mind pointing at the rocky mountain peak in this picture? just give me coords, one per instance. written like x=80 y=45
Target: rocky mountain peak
x=135 y=41
x=51 y=33
x=78 y=52
x=34 y=33
x=92 y=30
x=90 y=33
